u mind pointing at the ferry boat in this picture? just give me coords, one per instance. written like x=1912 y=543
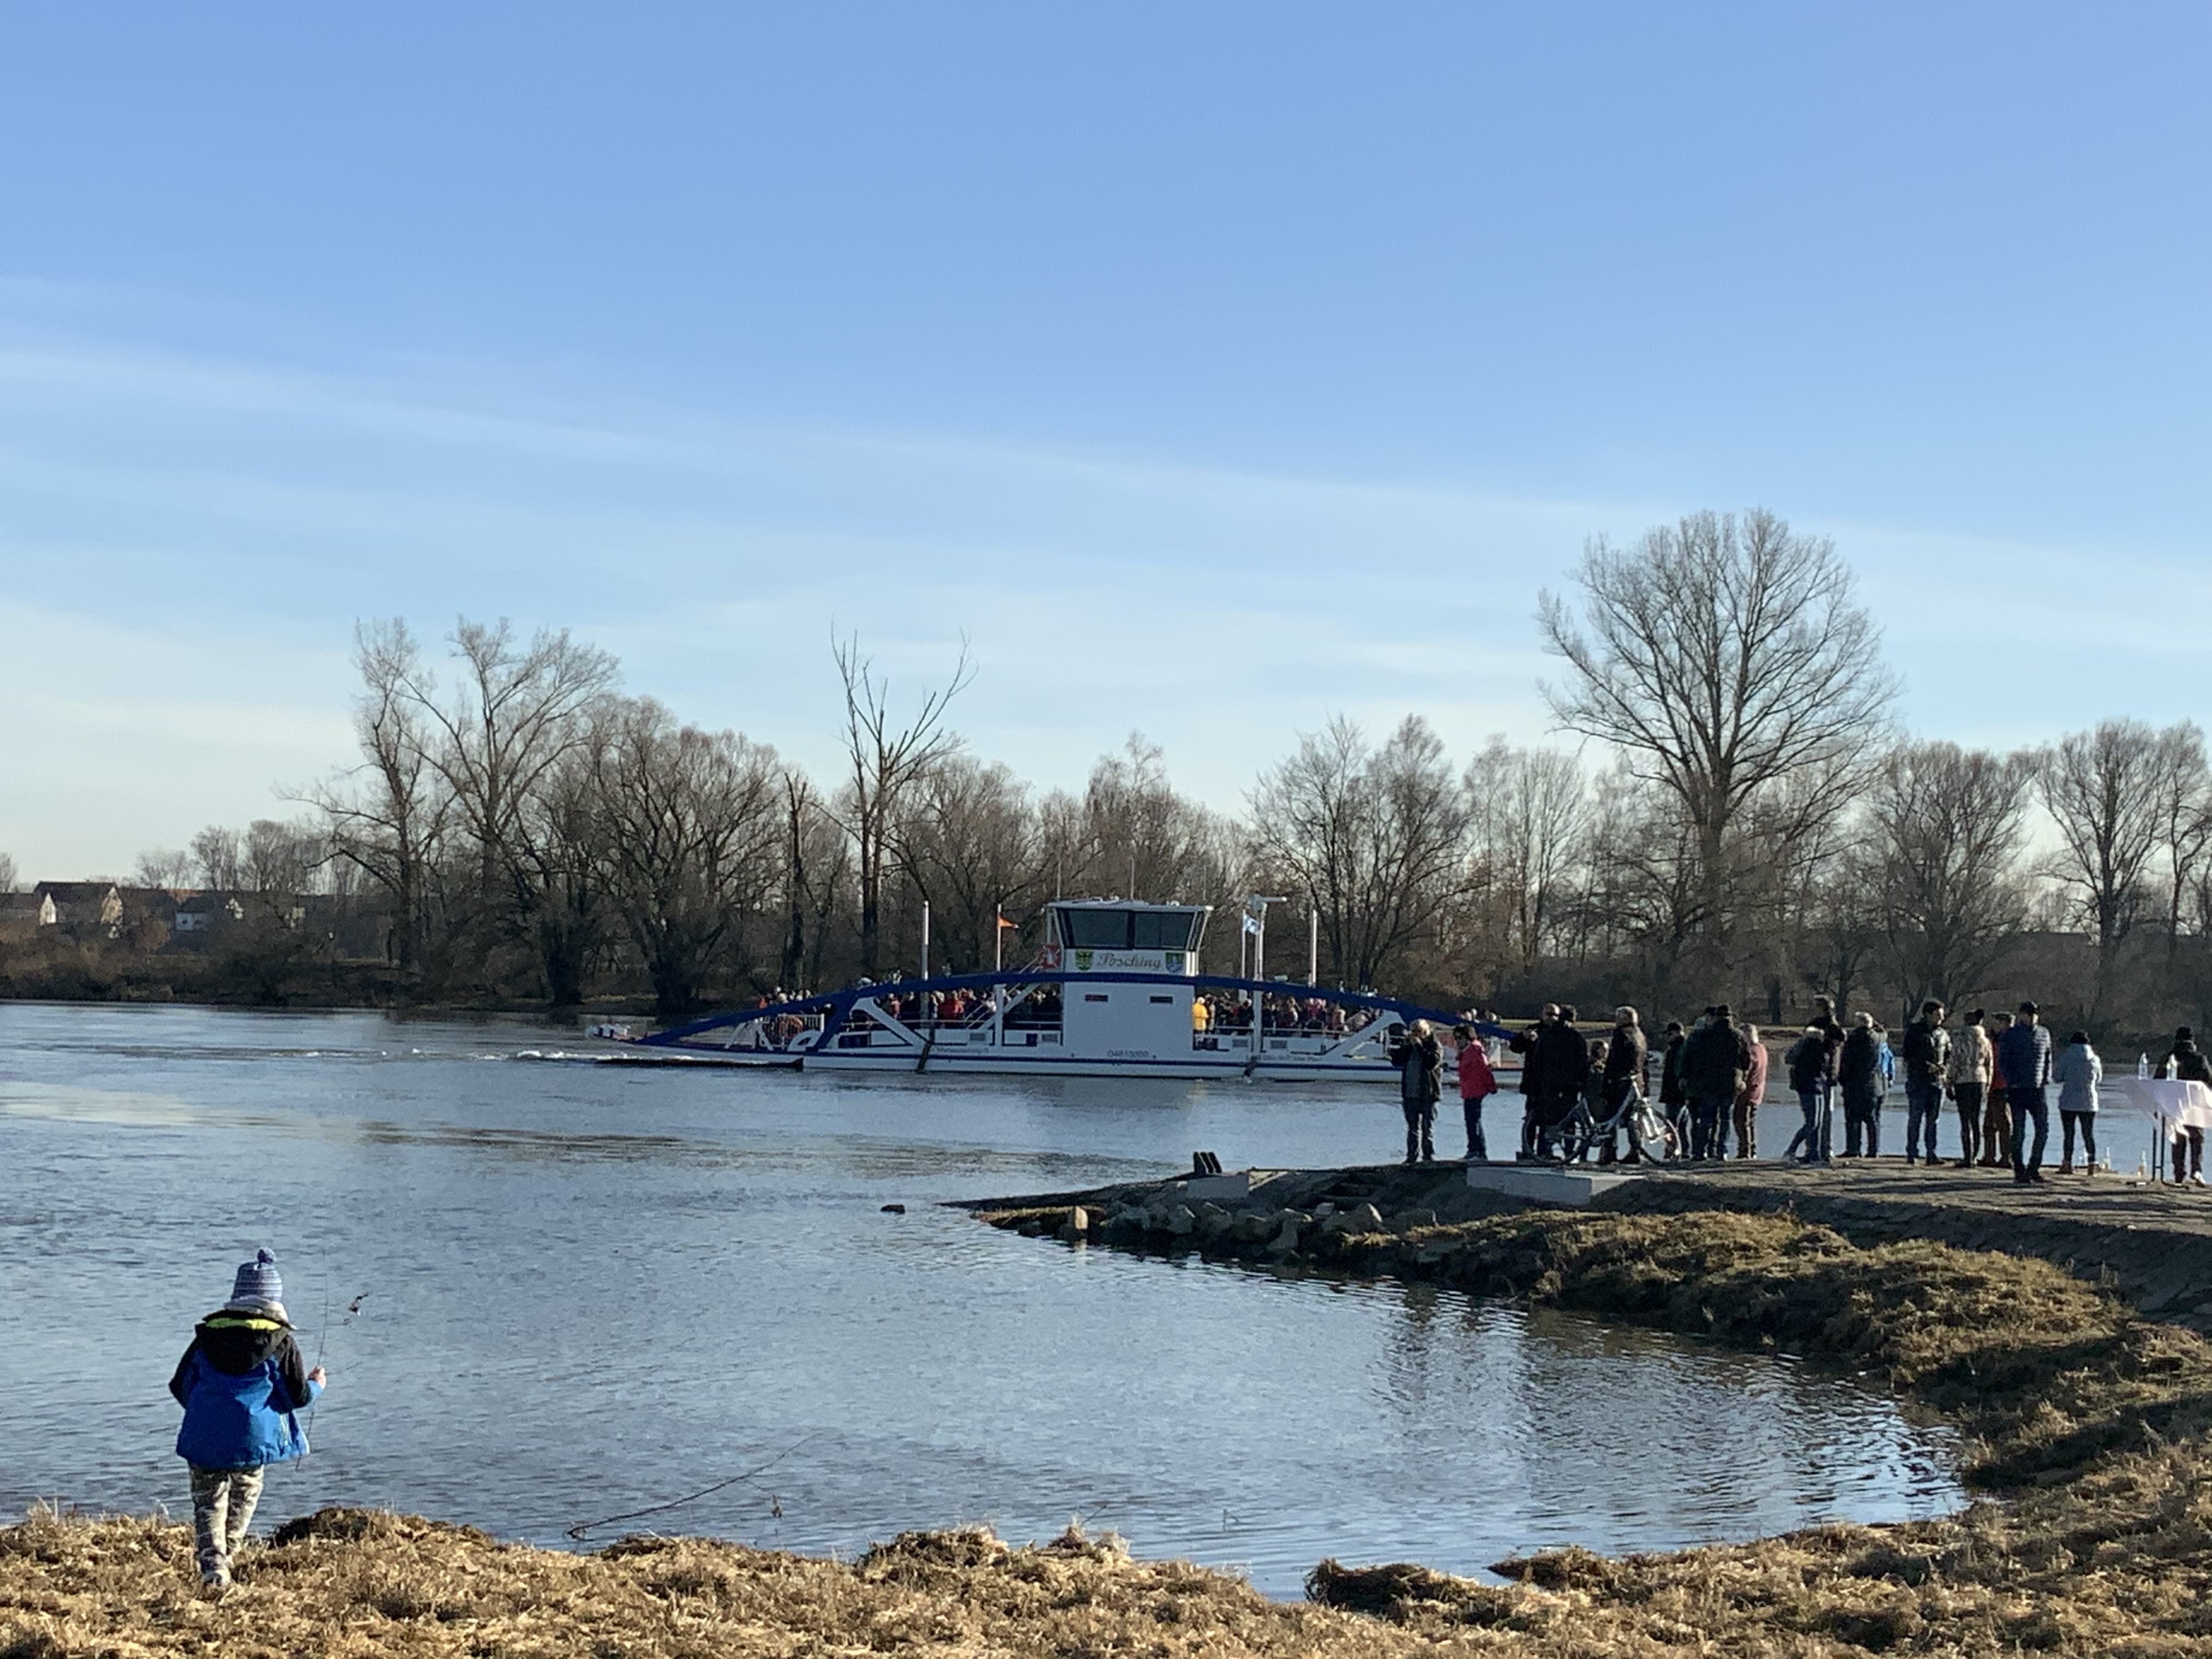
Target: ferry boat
x=1115 y=992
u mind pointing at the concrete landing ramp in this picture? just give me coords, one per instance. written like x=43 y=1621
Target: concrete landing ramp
x=1542 y=1184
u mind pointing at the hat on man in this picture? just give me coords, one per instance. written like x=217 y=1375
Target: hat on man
x=2029 y=1008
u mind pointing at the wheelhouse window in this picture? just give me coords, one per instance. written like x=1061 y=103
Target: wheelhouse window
x=1127 y=930
x=1161 y=930
x=1096 y=930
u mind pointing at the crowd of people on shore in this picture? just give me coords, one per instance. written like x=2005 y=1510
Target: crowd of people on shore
x=1998 y=1072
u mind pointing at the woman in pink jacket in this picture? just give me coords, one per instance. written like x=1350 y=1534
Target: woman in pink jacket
x=1477 y=1083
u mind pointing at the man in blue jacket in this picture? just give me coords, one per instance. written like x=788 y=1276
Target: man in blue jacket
x=239 y=1383
x=2024 y=1059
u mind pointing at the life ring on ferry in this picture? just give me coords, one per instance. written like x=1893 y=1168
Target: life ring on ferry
x=1051 y=957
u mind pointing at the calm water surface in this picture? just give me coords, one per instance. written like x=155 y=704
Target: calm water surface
x=587 y=1289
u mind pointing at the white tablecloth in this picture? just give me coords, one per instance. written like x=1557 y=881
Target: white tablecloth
x=2173 y=1102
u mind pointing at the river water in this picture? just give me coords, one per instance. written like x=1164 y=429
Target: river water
x=584 y=1290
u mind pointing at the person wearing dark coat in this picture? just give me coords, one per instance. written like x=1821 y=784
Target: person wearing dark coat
x=1564 y=1065
x=1626 y=1057
x=1673 y=1099
x=1858 y=1075
x=2190 y=1065
x=1927 y=1056
x=1524 y=1043
x=1421 y=1085
x=2024 y=1056
x=1810 y=1080
x=1713 y=1066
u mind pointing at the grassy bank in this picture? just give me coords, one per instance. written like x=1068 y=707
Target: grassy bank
x=2088 y=1424
x=348 y=1584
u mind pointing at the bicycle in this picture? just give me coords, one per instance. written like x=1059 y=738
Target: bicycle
x=1650 y=1133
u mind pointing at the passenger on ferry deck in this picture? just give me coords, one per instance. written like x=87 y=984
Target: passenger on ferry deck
x=1201 y=1014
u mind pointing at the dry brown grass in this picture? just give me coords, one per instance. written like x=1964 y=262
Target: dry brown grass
x=2095 y=1420
x=349 y=1584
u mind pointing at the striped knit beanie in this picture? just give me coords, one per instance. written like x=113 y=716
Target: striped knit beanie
x=258 y=1280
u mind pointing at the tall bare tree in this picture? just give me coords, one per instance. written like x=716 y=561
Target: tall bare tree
x=1722 y=658
x=885 y=757
x=1376 y=839
x=1947 y=826
x=2105 y=790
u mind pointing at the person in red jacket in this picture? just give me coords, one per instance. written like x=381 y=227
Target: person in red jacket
x=1477 y=1083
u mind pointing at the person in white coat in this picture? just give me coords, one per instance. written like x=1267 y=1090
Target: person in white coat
x=2078 y=1073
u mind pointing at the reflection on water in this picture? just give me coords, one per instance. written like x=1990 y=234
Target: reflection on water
x=588 y=1289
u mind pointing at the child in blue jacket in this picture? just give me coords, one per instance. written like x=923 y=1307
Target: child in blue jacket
x=239 y=1383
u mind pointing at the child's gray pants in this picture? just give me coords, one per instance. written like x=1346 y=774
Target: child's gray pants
x=222 y=1508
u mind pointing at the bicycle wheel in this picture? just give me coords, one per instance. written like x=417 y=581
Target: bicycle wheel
x=1576 y=1134
x=1660 y=1142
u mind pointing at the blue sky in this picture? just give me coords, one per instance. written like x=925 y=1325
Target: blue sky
x=1212 y=368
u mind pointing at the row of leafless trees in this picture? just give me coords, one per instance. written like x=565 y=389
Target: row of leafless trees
x=1742 y=821
x=527 y=829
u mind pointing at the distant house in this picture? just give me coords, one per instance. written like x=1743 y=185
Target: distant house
x=201 y=919
x=81 y=909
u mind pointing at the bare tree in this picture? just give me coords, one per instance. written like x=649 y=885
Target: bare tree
x=818 y=863
x=7 y=873
x=885 y=758
x=969 y=842
x=2185 y=816
x=1644 y=883
x=163 y=866
x=507 y=745
x=1529 y=809
x=391 y=817
x=280 y=861
x=1137 y=832
x=218 y=857
x=516 y=715
x=691 y=822
x=1947 y=827
x=1376 y=839
x=2105 y=789
x=1723 y=659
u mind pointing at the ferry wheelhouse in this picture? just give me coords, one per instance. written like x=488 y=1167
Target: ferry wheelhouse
x=1115 y=992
